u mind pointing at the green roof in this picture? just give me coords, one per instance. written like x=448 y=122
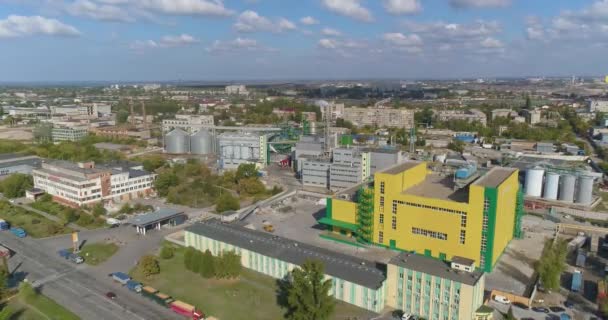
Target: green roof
x=339 y=224
x=484 y=310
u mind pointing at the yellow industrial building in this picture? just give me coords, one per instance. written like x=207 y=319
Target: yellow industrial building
x=410 y=208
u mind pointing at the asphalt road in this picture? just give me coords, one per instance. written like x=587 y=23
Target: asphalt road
x=76 y=287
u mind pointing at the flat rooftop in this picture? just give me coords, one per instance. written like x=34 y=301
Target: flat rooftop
x=401 y=167
x=439 y=187
x=495 y=177
x=155 y=217
x=349 y=268
x=435 y=267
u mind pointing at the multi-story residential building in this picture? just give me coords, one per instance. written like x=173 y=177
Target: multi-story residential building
x=238 y=148
x=237 y=89
x=432 y=289
x=407 y=208
x=503 y=113
x=335 y=110
x=597 y=106
x=380 y=117
x=472 y=115
x=69 y=133
x=354 y=280
x=77 y=184
x=532 y=116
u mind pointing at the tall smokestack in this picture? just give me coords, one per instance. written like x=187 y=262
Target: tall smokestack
x=143 y=112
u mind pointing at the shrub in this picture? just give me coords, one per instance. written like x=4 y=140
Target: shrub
x=167 y=252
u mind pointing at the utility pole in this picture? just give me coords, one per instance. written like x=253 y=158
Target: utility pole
x=132 y=112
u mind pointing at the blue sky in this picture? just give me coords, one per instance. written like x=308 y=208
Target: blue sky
x=130 y=40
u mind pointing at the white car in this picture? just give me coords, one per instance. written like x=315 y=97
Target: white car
x=502 y=299
x=407 y=316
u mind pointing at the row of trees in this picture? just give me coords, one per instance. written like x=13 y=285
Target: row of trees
x=552 y=263
x=226 y=266
x=15 y=185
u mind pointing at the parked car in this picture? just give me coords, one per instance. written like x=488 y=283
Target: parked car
x=502 y=299
x=568 y=304
x=111 y=295
x=521 y=305
x=540 y=309
x=556 y=309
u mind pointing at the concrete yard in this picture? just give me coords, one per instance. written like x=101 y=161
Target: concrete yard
x=297 y=220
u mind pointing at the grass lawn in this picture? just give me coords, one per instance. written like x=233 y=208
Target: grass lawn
x=96 y=253
x=249 y=298
x=38 y=307
x=77 y=216
x=34 y=224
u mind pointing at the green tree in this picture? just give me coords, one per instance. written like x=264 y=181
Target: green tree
x=197 y=259
x=552 y=263
x=207 y=269
x=251 y=186
x=166 y=252
x=456 y=145
x=188 y=257
x=122 y=116
x=164 y=181
x=15 y=185
x=228 y=265
x=98 y=210
x=308 y=295
x=246 y=170
x=153 y=162
x=148 y=265
x=227 y=202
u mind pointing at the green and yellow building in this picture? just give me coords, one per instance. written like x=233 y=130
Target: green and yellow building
x=410 y=208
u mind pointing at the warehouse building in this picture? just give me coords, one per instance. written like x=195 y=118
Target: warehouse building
x=69 y=133
x=408 y=208
x=242 y=148
x=17 y=163
x=315 y=171
x=355 y=281
x=77 y=184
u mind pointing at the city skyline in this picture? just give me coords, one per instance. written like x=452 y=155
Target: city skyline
x=156 y=40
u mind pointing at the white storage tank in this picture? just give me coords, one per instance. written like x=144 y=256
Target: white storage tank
x=201 y=142
x=534 y=181
x=566 y=192
x=177 y=142
x=551 y=186
x=585 y=190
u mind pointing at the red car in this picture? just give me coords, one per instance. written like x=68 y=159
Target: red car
x=111 y=295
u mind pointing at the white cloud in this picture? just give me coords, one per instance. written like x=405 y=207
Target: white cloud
x=491 y=43
x=349 y=8
x=251 y=21
x=399 y=39
x=309 y=21
x=185 y=7
x=331 y=32
x=20 y=26
x=238 y=44
x=328 y=43
x=164 y=42
x=402 y=6
x=479 y=3
x=103 y=12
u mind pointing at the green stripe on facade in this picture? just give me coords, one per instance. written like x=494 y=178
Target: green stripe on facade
x=492 y=195
x=328 y=208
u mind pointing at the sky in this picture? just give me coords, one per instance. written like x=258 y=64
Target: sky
x=231 y=40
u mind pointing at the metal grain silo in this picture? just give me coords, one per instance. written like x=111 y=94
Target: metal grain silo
x=566 y=193
x=201 y=142
x=585 y=190
x=551 y=186
x=534 y=181
x=177 y=142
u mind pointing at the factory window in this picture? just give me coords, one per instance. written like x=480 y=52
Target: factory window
x=486 y=204
x=381 y=201
x=380 y=237
x=381 y=218
x=463 y=221
x=394 y=207
x=429 y=233
x=382 y=187
x=462 y=236
x=394 y=223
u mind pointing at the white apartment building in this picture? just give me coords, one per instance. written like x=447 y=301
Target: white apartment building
x=77 y=184
x=472 y=115
x=379 y=116
x=237 y=89
x=598 y=106
x=184 y=121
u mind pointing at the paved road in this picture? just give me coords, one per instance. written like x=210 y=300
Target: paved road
x=76 y=287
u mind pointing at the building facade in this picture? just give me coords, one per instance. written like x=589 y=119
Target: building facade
x=188 y=122
x=72 y=133
x=472 y=115
x=236 y=89
x=380 y=117
x=407 y=208
x=241 y=148
x=315 y=172
x=355 y=281
x=532 y=116
x=77 y=184
x=597 y=106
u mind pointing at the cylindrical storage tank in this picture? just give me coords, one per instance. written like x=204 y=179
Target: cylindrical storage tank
x=201 y=142
x=585 y=190
x=177 y=142
x=551 y=186
x=534 y=182
x=566 y=193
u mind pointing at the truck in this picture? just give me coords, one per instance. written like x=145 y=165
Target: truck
x=4 y=225
x=19 y=232
x=68 y=255
x=5 y=252
x=577 y=281
x=187 y=310
x=163 y=299
x=581 y=258
x=120 y=277
x=134 y=286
